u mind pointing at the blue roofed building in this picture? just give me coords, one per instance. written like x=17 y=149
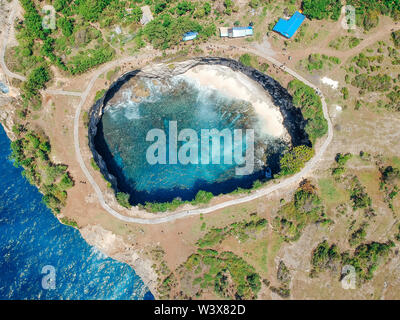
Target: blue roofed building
x=190 y=36
x=289 y=27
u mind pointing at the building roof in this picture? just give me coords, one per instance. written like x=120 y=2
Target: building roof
x=189 y=35
x=289 y=27
x=223 y=31
x=240 y=31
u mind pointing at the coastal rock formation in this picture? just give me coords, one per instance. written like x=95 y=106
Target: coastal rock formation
x=114 y=246
x=7 y=112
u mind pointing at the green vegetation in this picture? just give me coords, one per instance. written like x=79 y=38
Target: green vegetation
x=306 y=208
x=345 y=92
x=228 y=275
x=310 y=104
x=316 y=61
x=69 y=222
x=167 y=28
x=294 y=160
x=358 y=195
x=345 y=42
x=329 y=192
x=365 y=259
x=341 y=160
x=202 y=197
x=284 y=277
x=99 y=94
x=379 y=82
x=243 y=231
x=324 y=257
x=246 y=59
x=31 y=151
x=367 y=11
x=322 y=9
x=123 y=199
x=396 y=38
x=390 y=177
x=90 y=58
x=397 y=235
x=94 y=165
x=370 y=75
x=358 y=236
x=253 y=61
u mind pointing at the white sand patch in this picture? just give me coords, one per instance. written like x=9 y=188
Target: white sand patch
x=332 y=83
x=239 y=86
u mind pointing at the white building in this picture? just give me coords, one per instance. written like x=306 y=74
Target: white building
x=223 y=31
x=236 y=32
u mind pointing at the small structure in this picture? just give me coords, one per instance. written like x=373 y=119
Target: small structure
x=223 y=31
x=288 y=28
x=147 y=15
x=3 y=88
x=236 y=32
x=190 y=36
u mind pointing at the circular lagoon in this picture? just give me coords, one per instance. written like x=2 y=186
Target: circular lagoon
x=205 y=127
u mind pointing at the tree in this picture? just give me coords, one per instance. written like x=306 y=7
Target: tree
x=295 y=159
x=322 y=9
x=91 y=9
x=123 y=199
x=36 y=81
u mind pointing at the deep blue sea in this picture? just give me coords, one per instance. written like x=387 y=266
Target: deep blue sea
x=31 y=238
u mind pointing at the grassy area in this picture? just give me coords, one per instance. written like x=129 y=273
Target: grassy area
x=345 y=43
x=330 y=193
x=316 y=61
x=305 y=208
x=242 y=231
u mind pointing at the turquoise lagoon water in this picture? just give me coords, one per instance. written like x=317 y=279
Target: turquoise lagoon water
x=121 y=139
x=31 y=238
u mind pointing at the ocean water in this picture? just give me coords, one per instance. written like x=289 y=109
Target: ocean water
x=126 y=121
x=34 y=247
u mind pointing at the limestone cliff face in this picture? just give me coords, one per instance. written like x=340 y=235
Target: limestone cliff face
x=114 y=246
x=7 y=114
x=292 y=117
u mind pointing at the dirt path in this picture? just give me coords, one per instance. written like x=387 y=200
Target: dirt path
x=380 y=33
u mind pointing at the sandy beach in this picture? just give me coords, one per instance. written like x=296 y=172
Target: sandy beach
x=239 y=86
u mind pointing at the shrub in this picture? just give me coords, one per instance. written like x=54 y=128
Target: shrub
x=294 y=160
x=123 y=199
